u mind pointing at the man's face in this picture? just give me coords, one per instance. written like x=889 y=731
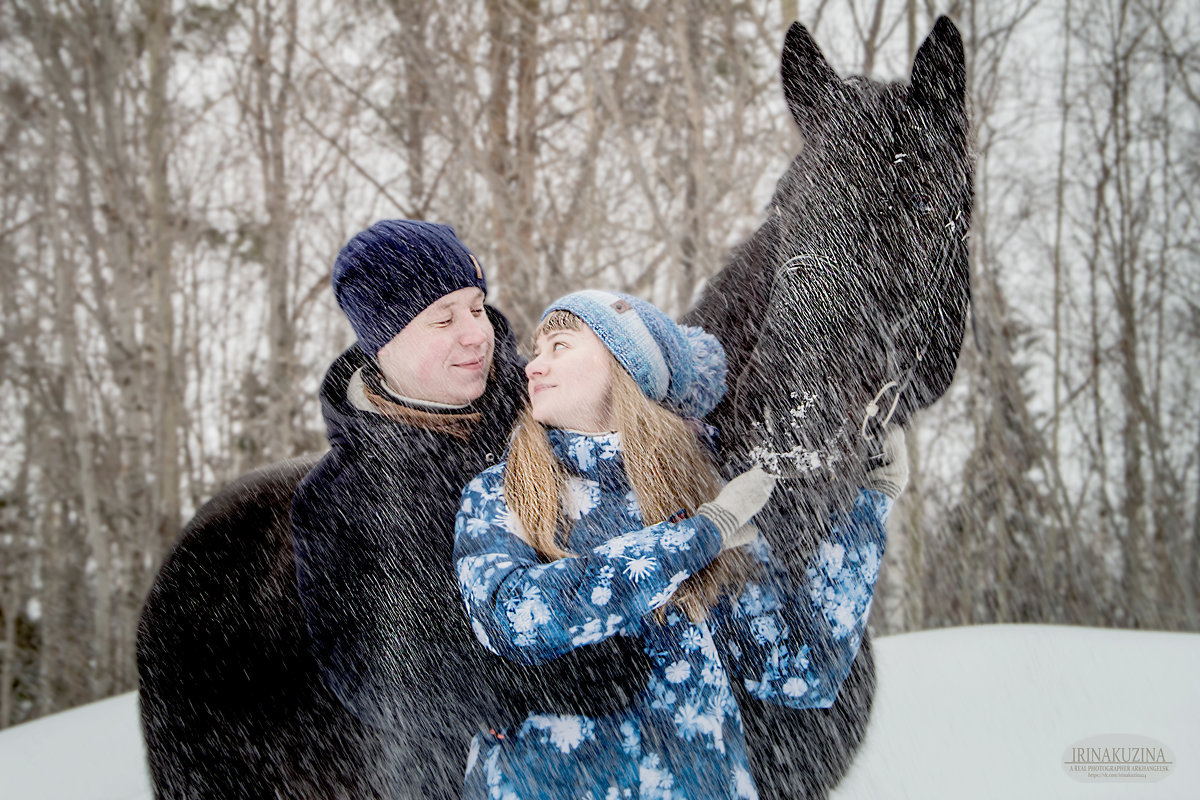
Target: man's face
x=445 y=353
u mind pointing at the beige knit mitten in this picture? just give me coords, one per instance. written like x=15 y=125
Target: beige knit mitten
x=890 y=476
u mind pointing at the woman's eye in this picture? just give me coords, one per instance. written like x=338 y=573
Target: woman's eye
x=477 y=311
x=557 y=345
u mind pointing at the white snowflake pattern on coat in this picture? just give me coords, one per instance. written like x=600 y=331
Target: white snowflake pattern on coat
x=582 y=495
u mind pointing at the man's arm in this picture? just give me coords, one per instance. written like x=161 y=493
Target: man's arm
x=377 y=614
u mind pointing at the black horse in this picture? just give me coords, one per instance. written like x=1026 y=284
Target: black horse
x=852 y=297
x=843 y=313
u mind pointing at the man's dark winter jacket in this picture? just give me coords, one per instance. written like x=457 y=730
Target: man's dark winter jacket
x=373 y=526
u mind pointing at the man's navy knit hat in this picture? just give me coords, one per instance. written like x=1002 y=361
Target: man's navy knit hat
x=679 y=365
x=393 y=270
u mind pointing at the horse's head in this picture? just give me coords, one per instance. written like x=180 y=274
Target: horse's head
x=882 y=190
x=862 y=268
x=884 y=168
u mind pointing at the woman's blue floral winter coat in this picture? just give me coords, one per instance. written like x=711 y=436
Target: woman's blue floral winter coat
x=682 y=737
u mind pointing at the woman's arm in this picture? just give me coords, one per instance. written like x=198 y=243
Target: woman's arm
x=530 y=611
x=791 y=641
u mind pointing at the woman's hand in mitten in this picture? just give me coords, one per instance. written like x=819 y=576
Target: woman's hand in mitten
x=742 y=536
x=741 y=499
x=889 y=473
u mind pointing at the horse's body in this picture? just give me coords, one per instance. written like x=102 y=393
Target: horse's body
x=232 y=702
x=856 y=284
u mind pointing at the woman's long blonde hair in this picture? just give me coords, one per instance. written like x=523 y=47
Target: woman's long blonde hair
x=667 y=466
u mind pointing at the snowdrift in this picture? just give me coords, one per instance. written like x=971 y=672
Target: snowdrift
x=977 y=712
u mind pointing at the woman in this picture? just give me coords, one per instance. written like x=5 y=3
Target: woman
x=597 y=525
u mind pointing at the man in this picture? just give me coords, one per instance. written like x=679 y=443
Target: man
x=328 y=655
x=414 y=411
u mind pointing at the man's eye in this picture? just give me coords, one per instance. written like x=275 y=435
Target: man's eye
x=443 y=322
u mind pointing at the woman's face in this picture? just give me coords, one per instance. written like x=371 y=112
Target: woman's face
x=570 y=381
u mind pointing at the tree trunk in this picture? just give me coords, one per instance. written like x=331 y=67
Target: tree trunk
x=692 y=242
x=169 y=389
x=78 y=429
x=269 y=93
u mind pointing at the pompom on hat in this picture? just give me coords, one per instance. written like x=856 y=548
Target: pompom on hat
x=393 y=270
x=679 y=365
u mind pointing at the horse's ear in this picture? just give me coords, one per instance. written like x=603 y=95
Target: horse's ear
x=805 y=72
x=939 y=74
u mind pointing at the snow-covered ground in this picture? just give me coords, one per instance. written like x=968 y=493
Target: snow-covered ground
x=980 y=712
x=993 y=711
x=94 y=752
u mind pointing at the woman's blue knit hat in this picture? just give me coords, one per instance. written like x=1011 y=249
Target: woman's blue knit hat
x=393 y=270
x=679 y=365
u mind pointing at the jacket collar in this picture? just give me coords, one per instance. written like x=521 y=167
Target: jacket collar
x=589 y=455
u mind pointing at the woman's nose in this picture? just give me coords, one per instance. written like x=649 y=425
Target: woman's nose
x=534 y=368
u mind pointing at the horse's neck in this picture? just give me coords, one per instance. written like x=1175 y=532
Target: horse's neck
x=732 y=305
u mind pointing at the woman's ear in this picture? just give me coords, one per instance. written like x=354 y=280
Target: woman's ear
x=610 y=410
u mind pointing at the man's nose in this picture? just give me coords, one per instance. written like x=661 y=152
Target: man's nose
x=473 y=332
